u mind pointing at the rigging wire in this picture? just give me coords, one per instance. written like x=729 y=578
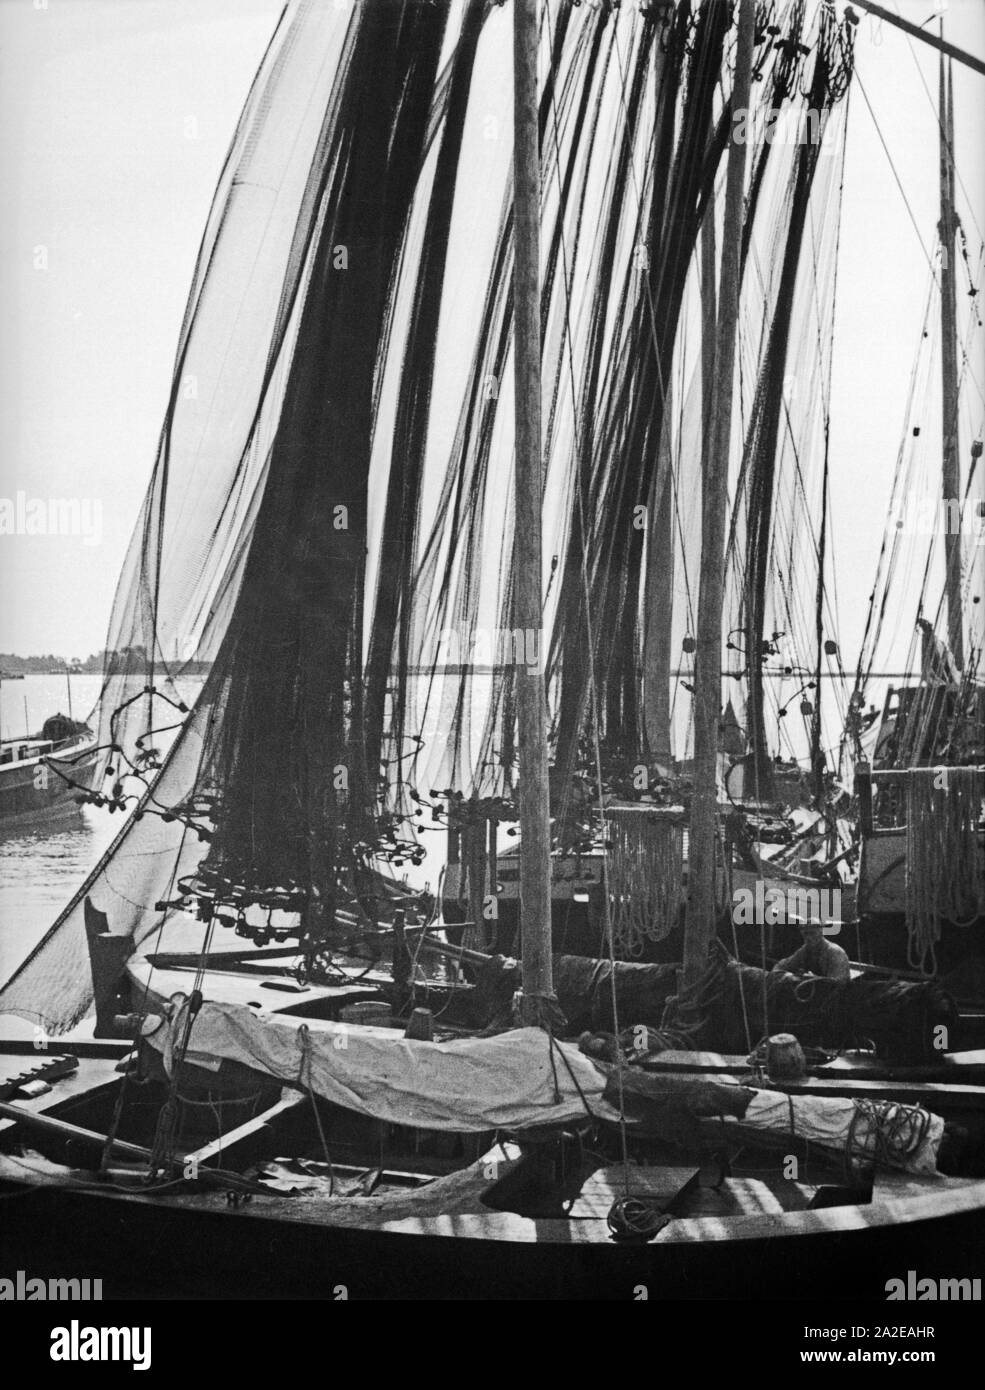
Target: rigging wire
x=899 y=182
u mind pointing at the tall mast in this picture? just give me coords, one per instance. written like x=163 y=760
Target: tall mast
x=951 y=471
x=658 y=593
x=659 y=600
x=535 y=847
x=700 y=921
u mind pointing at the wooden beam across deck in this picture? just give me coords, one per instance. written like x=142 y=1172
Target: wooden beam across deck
x=62 y=1129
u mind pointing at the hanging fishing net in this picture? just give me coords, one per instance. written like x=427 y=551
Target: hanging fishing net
x=327 y=535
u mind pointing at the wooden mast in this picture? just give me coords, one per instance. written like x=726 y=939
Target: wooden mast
x=700 y=921
x=535 y=847
x=659 y=601
x=658 y=593
x=951 y=470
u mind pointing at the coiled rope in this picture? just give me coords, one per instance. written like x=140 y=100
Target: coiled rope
x=893 y=1133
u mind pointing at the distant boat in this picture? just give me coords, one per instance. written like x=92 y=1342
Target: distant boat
x=447 y=1134
x=11 y=676
x=43 y=775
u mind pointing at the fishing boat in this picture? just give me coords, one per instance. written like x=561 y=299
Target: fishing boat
x=46 y=775
x=300 y=1084
x=921 y=784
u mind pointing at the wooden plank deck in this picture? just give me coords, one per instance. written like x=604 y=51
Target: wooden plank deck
x=93 y=1077
x=960 y=1077
x=659 y=1186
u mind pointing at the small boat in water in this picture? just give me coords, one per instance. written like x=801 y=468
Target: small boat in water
x=43 y=775
x=271 y=1115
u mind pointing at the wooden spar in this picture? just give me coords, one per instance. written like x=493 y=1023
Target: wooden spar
x=700 y=920
x=535 y=851
x=916 y=32
x=62 y=1129
x=951 y=470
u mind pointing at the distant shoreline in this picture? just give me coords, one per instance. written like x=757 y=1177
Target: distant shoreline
x=14 y=667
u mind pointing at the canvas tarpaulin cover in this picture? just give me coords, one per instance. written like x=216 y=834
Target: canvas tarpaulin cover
x=517 y=1080
x=470 y=1085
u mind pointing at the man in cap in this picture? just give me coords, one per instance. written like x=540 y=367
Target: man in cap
x=818 y=955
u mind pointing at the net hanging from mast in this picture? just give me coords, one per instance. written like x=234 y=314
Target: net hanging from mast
x=328 y=527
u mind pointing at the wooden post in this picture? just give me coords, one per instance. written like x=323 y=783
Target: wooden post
x=535 y=847
x=863 y=790
x=951 y=471
x=491 y=935
x=700 y=920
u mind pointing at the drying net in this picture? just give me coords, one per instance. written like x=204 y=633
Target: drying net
x=327 y=536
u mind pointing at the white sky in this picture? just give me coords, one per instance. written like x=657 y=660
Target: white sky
x=115 y=117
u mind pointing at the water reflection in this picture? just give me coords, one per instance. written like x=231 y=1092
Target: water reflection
x=41 y=869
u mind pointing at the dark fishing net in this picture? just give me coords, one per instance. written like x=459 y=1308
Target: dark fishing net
x=328 y=529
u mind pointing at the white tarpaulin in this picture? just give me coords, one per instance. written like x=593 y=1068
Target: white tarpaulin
x=514 y=1080
x=830 y=1120
x=471 y=1084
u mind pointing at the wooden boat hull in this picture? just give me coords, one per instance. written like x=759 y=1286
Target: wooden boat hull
x=146 y=1247
x=199 y=1243
x=32 y=794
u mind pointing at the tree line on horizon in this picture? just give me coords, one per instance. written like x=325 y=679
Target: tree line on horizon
x=134 y=659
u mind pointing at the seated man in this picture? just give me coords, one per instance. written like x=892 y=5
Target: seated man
x=817 y=956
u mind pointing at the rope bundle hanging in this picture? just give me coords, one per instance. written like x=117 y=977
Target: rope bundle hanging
x=945 y=867
x=645 y=873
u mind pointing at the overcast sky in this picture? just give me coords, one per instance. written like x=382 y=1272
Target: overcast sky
x=115 y=117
